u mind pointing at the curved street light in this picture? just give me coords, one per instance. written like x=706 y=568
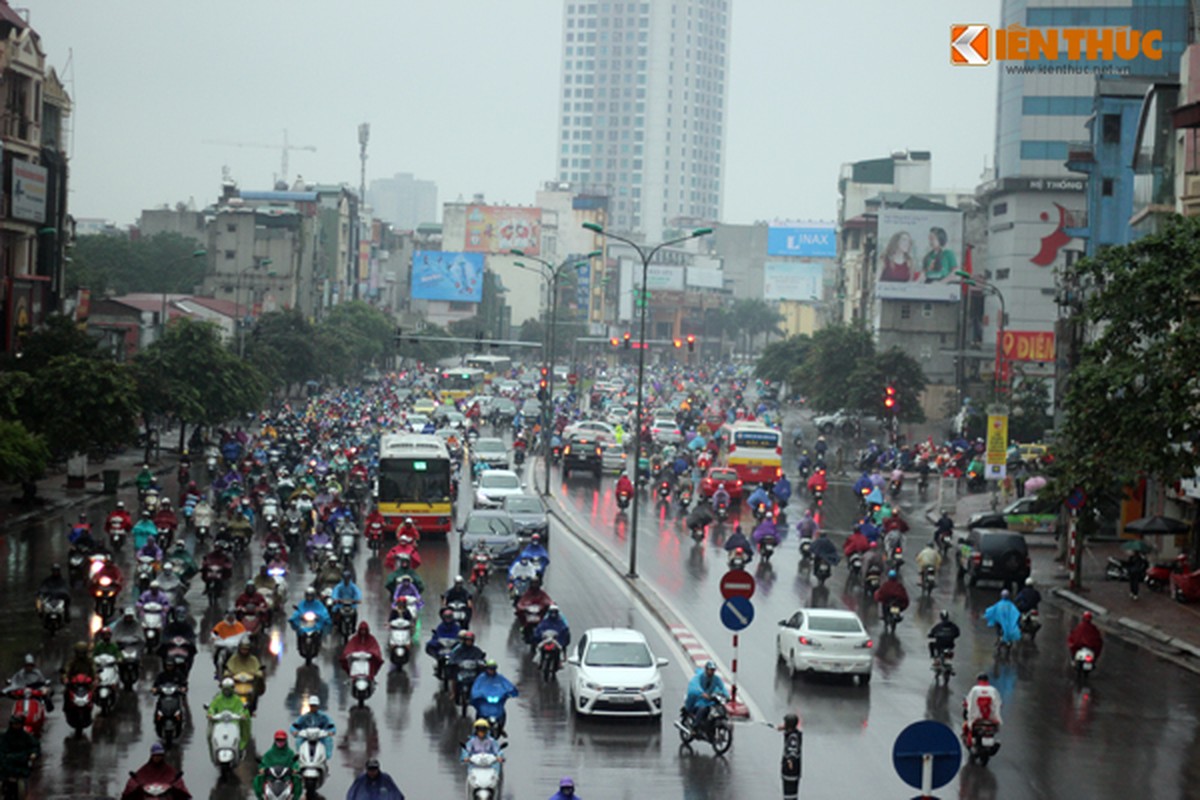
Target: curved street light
x=967 y=279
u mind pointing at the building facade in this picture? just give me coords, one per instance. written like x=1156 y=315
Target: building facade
x=642 y=109
x=403 y=200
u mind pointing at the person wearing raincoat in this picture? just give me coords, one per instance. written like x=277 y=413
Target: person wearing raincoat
x=1005 y=616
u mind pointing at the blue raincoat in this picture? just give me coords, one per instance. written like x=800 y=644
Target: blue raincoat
x=1004 y=615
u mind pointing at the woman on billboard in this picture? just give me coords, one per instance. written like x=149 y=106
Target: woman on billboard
x=899 y=263
x=939 y=262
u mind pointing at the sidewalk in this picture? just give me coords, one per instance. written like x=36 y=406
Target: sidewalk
x=1169 y=628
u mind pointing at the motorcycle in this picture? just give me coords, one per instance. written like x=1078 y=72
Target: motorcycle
x=117 y=533
x=104 y=593
x=1085 y=663
x=77 y=560
x=225 y=740
x=854 y=565
x=108 y=681
x=822 y=571
x=373 y=535
x=685 y=499
x=943 y=670
x=270 y=511
x=214 y=583
x=923 y=485
x=165 y=537
x=896 y=558
x=664 y=491
x=738 y=558
x=312 y=762
x=942 y=538
x=273 y=551
x=53 y=611
x=130 y=665
x=1115 y=570
x=461 y=613
x=483 y=776
x=766 y=548
x=399 y=641
x=982 y=742
x=975 y=481
x=722 y=510
x=145 y=572
x=441 y=664
x=345 y=617
x=871 y=583
x=530 y=617
x=245 y=686
x=891 y=618
x=519 y=457
x=464 y=679
x=152 y=624
x=481 y=565
x=818 y=497
x=719 y=732
x=347 y=542
x=29 y=702
x=623 y=500
x=181 y=652
x=549 y=655
x=761 y=510
x=698 y=532
x=805 y=551
x=78 y=701
x=362 y=685
x=277 y=783
x=928 y=581
x=894 y=489
x=1158 y=577
x=308 y=638
x=1030 y=624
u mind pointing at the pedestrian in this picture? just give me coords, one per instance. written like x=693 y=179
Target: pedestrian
x=790 y=765
x=1135 y=567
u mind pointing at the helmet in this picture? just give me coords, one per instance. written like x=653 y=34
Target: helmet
x=873 y=546
x=944 y=615
x=537 y=537
x=120 y=505
x=155 y=585
x=408 y=521
x=1004 y=594
x=250 y=587
x=281 y=734
x=314 y=702
x=227 y=684
x=982 y=677
x=347 y=575
x=157 y=749
x=553 y=610
x=244 y=645
x=1087 y=616
x=458 y=579
x=83 y=517
x=891 y=573
x=490 y=664
x=1029 y=581
x=447 y=615
x=372 y=763
x=467 y=636
x=790 y=721
x=29 y=660
x=128 y=611
x=106 y=632
x=710 y=665
x=80 y=648
x=179 y=613
x=55 y=569
x=310 y=593
x=481 y=724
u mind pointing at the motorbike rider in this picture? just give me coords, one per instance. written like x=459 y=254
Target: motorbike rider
x=782 y=491
x=855 y=543
x=929 y=556
x=704 y=691
x=807 y=527
x=120 y=517
x=459 y=593
x=482 y=742
x=362 y=642
x=218 y=559
x=760 y=496
x=1029 y=598
x=982 y=702
x=151 y=550
x=817 y=482
x=491 y=684
x=144 y=530
x=791 y=763
x=251 y=596
x=30 y=677
x=624 y=485
x=156 y=771
x=943 y=634
x=766 y=529
x=891 y=592
x=824 y=549
x=229 y=630
x=407 y=597
x=895 y=522
x=278 y=755
x=316 y=718
x=404 y=568
x=556 y=622
x=18 y=749
x=408 y=528
x=720 y=497
x=311 y=603
x=466 y=650
x=738 y=539
x=80 y=535
x=155 y=594
x=944 y=526
x=165 y=517
x=1004 y=615
x=127 y=631
x=346 y=591
x=80 y=663
x=179 y=625
x=144 y=479
x=265 y=583
x=245 y=662
x=893 y=541
x=170 y=582
x=226 y=700
x=406 y=546
x=446 y=629
x=536 y=553
x=55 y=587
x=1085 y=634
x=104 y=644
x=374 y=784
x=169 y=674
x=523 y=569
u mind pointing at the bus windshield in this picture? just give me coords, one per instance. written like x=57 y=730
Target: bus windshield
x=414 y=480
x=762 y=439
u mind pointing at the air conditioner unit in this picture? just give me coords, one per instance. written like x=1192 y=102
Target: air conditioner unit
x=1191 y=187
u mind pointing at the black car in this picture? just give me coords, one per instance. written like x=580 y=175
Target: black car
x=583 y=452
x=528 y=516
x=996 y=555
x=495 y=530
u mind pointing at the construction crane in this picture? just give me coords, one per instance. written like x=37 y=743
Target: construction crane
x=284 y=148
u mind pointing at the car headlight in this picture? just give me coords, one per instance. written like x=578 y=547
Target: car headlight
x=650 y=687
x=593 y=687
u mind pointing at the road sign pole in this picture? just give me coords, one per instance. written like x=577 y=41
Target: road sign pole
x=734 y=706
x=1073 y=552
x=927 y=775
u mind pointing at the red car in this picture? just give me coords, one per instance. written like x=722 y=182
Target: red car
x=718 y=475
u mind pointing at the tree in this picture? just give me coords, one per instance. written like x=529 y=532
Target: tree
x=81 y=404
x=532 y=330
x=58 y=336
x=365 y=333
x=165 y=262
x=834 y=355
x=418 y=347
x=23 y=455
x=779 y=359
x=1131 y=401
x=284 y=347
x=873 y=374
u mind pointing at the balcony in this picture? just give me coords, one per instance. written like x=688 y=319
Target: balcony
x=1075 y=223
x=1081 y=157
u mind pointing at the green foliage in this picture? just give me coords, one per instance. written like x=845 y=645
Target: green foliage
x=366 y=333
x=58 y=336
x=832 y=359
x=873 y=374
x=779 y=359
x=165 y=262
x=1028 y=418
x=23 y=455
x=532 y=330
x=1131 y=401
x=80 y=404
x=284 y=347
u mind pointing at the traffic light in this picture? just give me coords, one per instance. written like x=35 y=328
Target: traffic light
x=628 y=340
x=544 y=385
x=678 y=343
x=889 y=398
x=641 y=297
x=691 y=340
x=615 y=342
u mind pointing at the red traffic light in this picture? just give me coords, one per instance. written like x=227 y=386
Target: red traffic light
x=614 y=341
x=889 y=397
x=691 y=341
x=628 y=340
x=678 y=343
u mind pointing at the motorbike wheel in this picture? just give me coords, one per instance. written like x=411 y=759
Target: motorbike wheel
x=310 y=787
x=983 y=759
x=722 y=738
x=685 y=736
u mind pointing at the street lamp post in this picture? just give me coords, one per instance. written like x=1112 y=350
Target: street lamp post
x=162 y=317
x=551 y=273
x=646 y=256
x=967 y=279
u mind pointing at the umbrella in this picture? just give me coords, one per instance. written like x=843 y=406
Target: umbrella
x=1137 y=545
x=1034 y=483
x=1158 y=524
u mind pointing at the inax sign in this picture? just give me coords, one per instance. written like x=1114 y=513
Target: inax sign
x=974 y=45
x=806 y=242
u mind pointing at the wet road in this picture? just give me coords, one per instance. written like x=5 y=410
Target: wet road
x=1133 y=733
x=406 y=723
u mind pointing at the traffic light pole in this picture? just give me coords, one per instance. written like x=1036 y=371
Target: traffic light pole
x=548 y=408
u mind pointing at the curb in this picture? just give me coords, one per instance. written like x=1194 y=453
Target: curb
x=1075 y=599
x=87 y=498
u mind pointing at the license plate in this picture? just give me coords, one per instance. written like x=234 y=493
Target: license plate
x=624 y=698
x=987 y=562
x=988 y=741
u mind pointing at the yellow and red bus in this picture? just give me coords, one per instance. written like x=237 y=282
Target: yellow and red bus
x=414 y=481
x=752 y=450
x=493 y=366
x=458 y=383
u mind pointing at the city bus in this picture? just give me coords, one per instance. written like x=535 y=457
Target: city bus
x=414 y=481
x=752 y=450
x=493 y=366
x=455 y=384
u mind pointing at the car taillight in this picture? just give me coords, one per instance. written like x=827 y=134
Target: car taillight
x=977 y=558
x=804 y=640
x=779 y=450
x=778 y=472
x=867 y=645
x=739 y=483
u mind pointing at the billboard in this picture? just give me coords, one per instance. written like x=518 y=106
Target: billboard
x=813 y=241
x=793 y=280
x=1027 y=345
x=917 y=254
x=498 y=229
x=705 y=278
x=659 y=278
x=28 y=191
x=456 y=277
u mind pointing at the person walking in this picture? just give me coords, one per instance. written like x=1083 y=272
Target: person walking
x=790 y=765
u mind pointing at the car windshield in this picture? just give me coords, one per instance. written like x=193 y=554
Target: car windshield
x=524 y=504
x=833 y=624
x=487 y=525
x=724 y=475
x=493 y=480
x=618 y=654
x=490 y=446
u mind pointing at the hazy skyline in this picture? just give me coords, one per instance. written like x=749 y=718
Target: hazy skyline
x=464 y=93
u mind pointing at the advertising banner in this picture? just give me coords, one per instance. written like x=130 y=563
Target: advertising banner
x=1027 y=345
x=456 y=277
x=997 y=447
x=792 y=280
x=705 y=278
x=498 y=229
x=583 y=287
x=83 y=308
x=807 y=242
x=918 y=252
x=28 y=191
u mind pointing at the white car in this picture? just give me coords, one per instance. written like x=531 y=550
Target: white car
x=614 y=674
x=416 y=422
x=594 y=428
x=613 y=456
x=664 y=431
x=618 y=415
x=494 y=485
x=825 y=640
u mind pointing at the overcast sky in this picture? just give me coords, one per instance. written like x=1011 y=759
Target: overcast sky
x=464 y=93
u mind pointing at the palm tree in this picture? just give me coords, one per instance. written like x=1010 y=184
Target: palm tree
x=752 y=318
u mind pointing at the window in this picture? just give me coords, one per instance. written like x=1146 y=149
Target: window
x=927 y=310
x=231 y=228
x=905 y=311
x=1038 y=150
x=1111 y=128
x=230 y=255
x=1106 y=187
x=1000 y=209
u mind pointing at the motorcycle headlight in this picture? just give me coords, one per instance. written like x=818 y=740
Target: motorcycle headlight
x=105 y=581
x=310 y=617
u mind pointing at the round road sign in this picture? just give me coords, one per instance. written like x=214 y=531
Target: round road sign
x=572 y=378
x=737 y=583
